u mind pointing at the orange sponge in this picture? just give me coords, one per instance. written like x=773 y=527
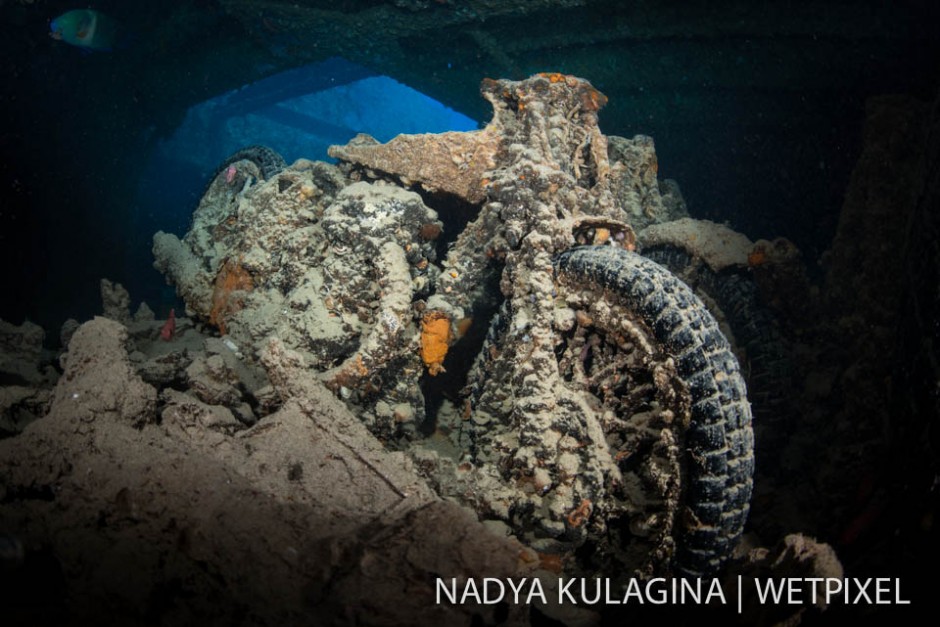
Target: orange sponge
x=232 y=277
x=435 y=340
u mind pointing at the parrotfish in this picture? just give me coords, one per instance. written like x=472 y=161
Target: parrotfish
x=86 y=28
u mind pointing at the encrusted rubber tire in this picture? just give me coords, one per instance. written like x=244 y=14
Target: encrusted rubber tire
x=757 y=341
x=269 y=162
x=716 y=459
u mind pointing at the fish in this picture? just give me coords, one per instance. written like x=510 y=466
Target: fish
x=86 y=28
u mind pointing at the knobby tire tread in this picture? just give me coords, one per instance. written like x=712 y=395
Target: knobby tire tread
x=719 y=441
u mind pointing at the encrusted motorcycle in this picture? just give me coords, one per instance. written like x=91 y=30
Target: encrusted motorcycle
x=602 y=409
